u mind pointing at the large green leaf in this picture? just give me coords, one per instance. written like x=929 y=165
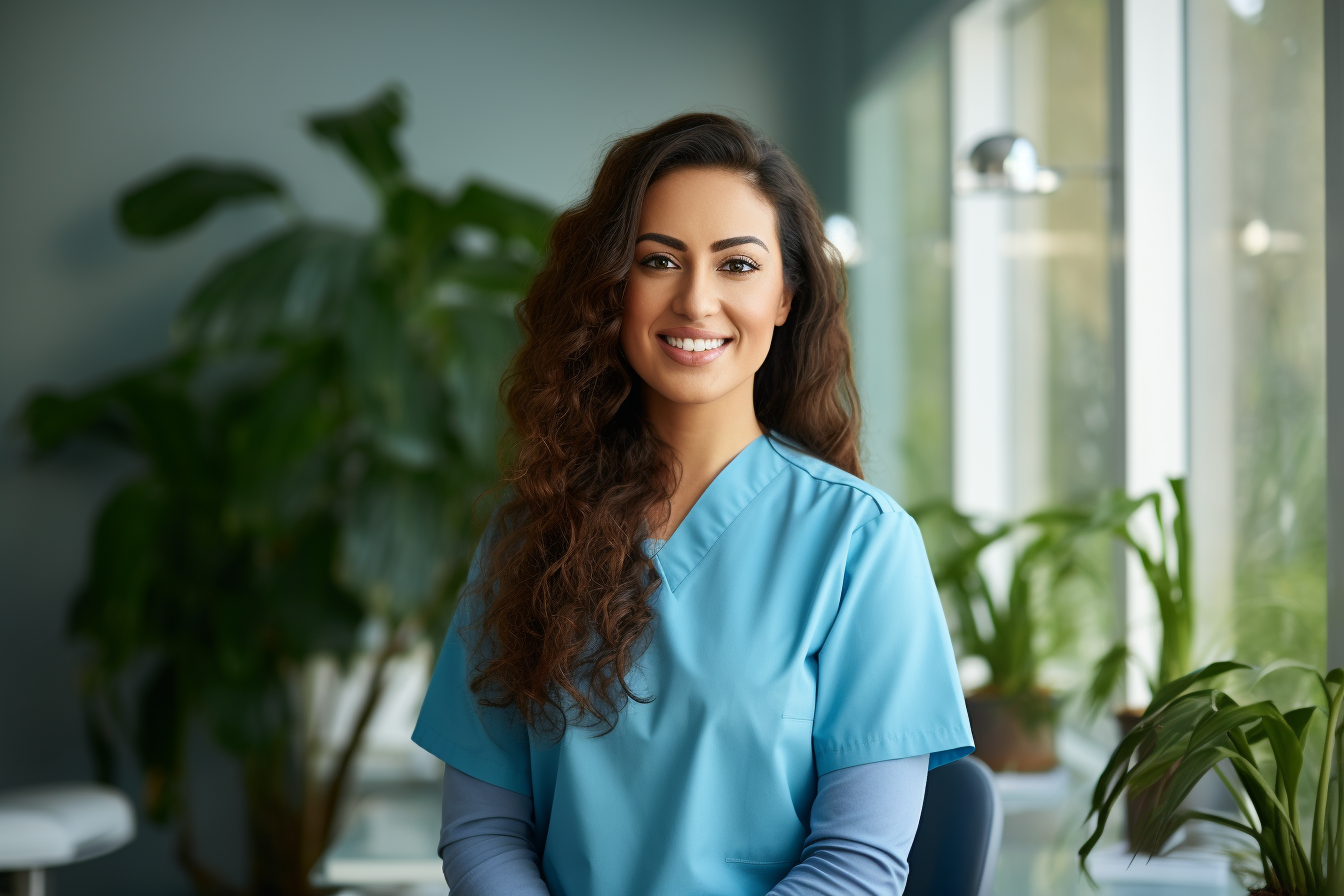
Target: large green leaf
x=248 y=709
x=305 y=610
x=170 y=203
x=480 y=342
x=394 y=537
x=149 y=412
x=293 y=285
x=508 y=216
x=126 y=557
x=418 y=218
x=366 y=134
x=51 y=419
x=493 y=275
x=1178 y=687
x=280 y=438
x=396 y=404
x=166 y=426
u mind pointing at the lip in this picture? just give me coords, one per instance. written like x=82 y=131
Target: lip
x=691 y=359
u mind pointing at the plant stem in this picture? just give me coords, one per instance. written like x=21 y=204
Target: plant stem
x=331 y=800
x=1323 y=785
x=1338 y=882
x=1242 y=803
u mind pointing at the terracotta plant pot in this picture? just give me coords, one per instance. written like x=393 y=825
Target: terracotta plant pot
x=1138 y=806
x=1013 y=734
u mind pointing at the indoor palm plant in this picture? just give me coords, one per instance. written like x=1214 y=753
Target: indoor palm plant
x=310 y=453
x=1190 y=730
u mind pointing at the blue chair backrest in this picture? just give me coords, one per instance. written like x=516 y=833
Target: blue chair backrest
x=957 y=843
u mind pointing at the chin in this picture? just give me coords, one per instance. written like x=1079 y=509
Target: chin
x=683 y=393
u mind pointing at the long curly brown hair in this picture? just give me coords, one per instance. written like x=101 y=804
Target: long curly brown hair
x=566 y=582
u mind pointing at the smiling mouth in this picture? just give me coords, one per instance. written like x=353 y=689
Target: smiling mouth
x=694 y=345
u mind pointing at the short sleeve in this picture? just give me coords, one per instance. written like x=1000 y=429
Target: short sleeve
x=887 y=683
x=487 y=743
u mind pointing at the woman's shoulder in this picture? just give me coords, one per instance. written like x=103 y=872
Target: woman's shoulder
x=836 y=484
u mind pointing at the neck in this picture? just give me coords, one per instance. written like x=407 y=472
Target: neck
x=703 y=437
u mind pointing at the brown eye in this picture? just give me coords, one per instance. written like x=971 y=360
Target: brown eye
x=659 y=263
x=739 y=266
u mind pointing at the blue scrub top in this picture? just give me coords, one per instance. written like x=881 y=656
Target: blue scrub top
x=798 y=631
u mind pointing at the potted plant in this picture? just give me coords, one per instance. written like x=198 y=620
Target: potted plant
x=1167 y=567
x=309 y=454
x=1012 y=715
x=1189 y=730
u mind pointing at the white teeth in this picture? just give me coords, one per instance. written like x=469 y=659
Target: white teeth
x=693 y=345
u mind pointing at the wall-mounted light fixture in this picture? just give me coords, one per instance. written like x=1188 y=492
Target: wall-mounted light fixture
x=1005 y=163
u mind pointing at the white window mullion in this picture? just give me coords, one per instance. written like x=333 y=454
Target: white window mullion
x=982 y=323
x=1156 y=418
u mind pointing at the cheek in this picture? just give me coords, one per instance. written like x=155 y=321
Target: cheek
x=755 y=319
x=637 y=316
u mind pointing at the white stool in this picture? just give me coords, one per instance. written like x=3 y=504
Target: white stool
x=41 y=827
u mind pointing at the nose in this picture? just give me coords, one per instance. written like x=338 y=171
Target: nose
x=698 y=298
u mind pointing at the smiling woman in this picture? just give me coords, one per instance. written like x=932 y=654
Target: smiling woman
x=674 y=669
x=700 y=315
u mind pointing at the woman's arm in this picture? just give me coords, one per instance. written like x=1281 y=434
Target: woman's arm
x=487 y=842
x=862 y=825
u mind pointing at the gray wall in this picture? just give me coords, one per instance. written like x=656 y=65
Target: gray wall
x=95 y=95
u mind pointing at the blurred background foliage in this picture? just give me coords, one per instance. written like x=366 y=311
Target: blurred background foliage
x=1016 y=620
x=312 y=453
x=1018 y=625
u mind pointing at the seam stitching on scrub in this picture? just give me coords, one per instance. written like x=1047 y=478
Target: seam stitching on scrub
x=725 y=529
x=899 y=511
x=754 y=862
x=798 y=718
x=867 y=494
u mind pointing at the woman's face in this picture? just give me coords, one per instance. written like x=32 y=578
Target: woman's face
x=706 y=289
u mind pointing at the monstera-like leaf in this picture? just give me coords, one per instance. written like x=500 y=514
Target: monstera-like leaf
x=506 y=215
x=170 y=203
x=366 y=135
x=290 y=286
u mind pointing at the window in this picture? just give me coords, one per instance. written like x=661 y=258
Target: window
x=984 y=335
x=986 y=322
x=1155 y=308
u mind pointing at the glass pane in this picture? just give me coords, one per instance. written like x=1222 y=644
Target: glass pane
x=1063 y=363
x=1257 y=242
x=1059 y=252
x=902 y=284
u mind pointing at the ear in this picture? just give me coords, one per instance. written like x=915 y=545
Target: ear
x=785 y=303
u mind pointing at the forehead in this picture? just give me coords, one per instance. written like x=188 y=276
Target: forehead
x=707 y=204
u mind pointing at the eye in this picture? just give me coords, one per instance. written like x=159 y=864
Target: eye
x=659 y=262
x=739 y=264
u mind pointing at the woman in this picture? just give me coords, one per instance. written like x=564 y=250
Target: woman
x=697 y=654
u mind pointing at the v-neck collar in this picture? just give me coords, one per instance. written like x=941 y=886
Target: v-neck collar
x=736 y=486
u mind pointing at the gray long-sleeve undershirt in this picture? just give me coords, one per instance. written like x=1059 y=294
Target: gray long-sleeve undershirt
x=861 y=827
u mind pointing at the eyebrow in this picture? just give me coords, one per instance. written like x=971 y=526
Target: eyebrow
x=663 y=238
x=677 y=244
x=737 y=241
